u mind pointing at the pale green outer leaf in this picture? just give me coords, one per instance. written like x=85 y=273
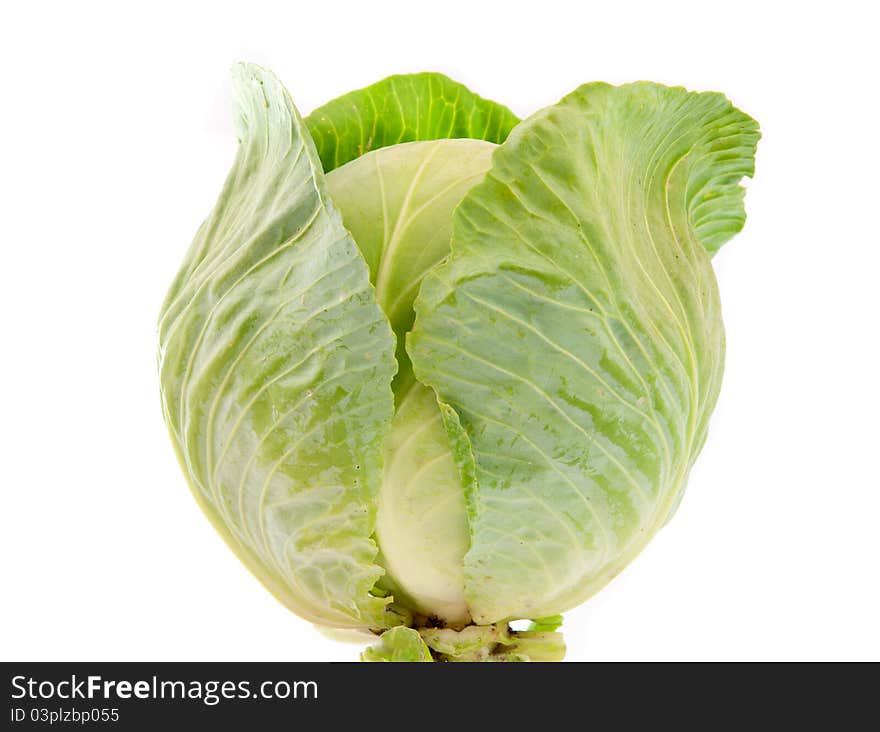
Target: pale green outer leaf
x=404 y=108
x=276 y=363
x=576 y=331
x=398 y=645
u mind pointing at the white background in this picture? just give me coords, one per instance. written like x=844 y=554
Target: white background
x=116 y=137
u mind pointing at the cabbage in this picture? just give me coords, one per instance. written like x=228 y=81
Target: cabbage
x=430 y=369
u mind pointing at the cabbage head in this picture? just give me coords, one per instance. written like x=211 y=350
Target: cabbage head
x=430 y=369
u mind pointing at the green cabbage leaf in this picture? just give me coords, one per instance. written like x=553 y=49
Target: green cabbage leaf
x=276 y=364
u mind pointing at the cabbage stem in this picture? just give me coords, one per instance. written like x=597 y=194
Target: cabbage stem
x=474 y=643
